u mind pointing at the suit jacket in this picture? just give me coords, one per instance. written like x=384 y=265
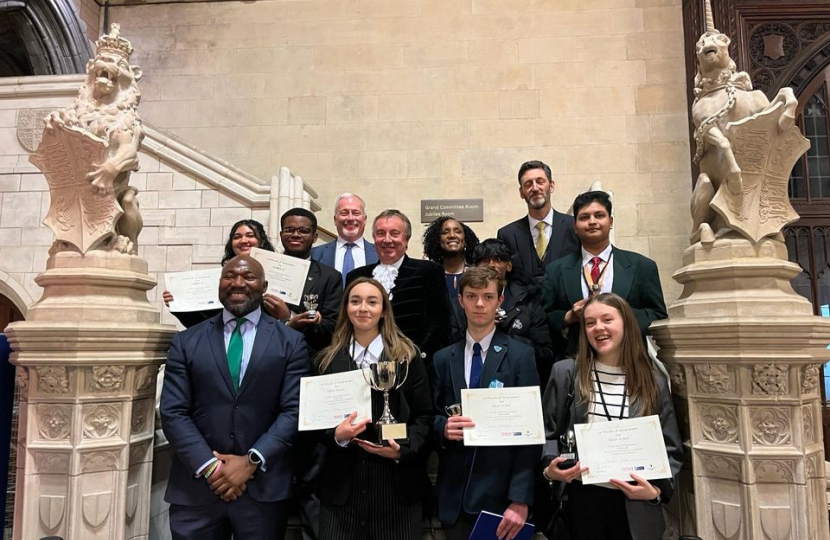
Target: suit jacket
x=635 y=278
x=519 y=239
x=325 y=253
x=498 y=475
x=327 y=284
x=412 y=405
x=419 y=302
x=644 y=519
x=201 y=412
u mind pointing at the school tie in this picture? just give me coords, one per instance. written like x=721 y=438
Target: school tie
x=475 y=369
x=235 y=352
x=348 y=261
x=595 y=262
x=541 y=240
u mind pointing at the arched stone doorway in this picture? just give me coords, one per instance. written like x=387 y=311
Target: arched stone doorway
x=41 y=37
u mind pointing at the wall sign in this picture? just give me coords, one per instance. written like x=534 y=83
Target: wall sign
x=460 y=209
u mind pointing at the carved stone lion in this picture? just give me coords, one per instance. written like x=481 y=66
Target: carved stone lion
x=106 y=107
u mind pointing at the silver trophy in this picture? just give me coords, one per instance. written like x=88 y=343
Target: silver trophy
x=310 y=303
x=384 y=376
x=453 y=410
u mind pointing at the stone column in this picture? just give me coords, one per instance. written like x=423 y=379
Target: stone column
x=744 y=353
x=87 y=360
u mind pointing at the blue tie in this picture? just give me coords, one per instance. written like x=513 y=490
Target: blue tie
x=348 y=261
x=475 y=369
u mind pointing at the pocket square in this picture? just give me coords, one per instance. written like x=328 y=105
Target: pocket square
x=495 y=383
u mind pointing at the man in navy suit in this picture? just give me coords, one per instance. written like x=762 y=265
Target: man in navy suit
x=543 y=235
x=497 y=479
x=350 y=250
x=229 y=408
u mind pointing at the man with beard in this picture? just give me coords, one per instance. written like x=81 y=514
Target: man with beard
x=349 y=250
x=229 y=408
x=544 y=234
x=416 y=288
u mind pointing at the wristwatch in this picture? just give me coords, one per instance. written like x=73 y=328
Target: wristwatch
x=254 y=459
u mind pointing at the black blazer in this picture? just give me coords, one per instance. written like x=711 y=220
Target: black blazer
x=498 y=475
x=327 y=284
x=517 y=236
x=635 y=278
x=419 y=302
x=411 y=405
x=201 y=412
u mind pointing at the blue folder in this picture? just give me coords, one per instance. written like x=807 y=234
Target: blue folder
x=487 y=523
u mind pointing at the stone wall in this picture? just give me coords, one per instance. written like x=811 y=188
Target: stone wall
x=402 y=101
x=89 y=12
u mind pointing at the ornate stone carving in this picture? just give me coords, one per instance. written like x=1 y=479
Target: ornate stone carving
x=774 y=471
x=138 y=417
x=775 y=521
x=713 y=378
x=811 y=31
x=30 y=127
x=96 y=507
x=107 y=378
x=102 y=460
x=54 y=421
x=88 y=151
x=51 y=462
x=810 y=375
x=773 y=45
x=101 y=421
x=50 y=510
x=808 y=419
x=678 y=377
x=769 y=379
x=770 y=426
x=719 y=423
x=22 y=378
x=140 y=452
x=145 y=378
x=722 y=467
x=726 y=517
x=52 y=380
x=738 y=147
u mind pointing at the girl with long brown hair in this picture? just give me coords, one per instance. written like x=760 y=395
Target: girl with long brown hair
x=370 y=491
x=611 y=379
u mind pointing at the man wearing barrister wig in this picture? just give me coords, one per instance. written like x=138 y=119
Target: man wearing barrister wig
x=598 y=267
x=498 y=479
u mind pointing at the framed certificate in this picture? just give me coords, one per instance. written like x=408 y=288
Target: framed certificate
x=194 y=291
x=325 y=400
x=503 y=416
x=617 y=449
x=286 y=275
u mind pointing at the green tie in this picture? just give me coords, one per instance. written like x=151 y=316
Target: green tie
x=235 y=352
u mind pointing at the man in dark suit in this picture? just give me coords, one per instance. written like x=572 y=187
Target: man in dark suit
x=298 y=231
x=416 y=288
x=497 y=479
x=229 y=408
x=599 y=268
x=349 y=250
x=544 y=234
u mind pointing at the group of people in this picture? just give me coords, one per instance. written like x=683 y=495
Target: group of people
x=549 y=303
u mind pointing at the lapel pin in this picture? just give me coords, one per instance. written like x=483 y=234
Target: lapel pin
x=497 y=348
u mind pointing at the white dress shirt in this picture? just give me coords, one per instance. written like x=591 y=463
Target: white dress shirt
x=607 y=282
x=365 y=357
x=548 y=219
x=468 y=352
x=358 y=253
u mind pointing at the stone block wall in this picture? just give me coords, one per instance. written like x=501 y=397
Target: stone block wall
x=402 y=101
x=89 y=11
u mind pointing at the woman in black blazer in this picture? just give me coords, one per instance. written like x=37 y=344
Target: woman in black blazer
x=368 y=491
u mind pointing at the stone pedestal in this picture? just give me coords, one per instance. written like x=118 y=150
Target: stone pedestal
x=744 y=353
x=87 y=360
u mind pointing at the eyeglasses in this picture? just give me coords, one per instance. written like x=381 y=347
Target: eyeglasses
x=302 y=231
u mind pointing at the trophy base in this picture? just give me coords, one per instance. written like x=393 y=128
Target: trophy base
x=391 y=431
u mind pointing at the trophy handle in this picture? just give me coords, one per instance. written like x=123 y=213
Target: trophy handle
x=405 y=375
x=368 y=378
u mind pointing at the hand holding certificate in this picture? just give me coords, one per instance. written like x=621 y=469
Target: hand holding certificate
x=617 y=449
x=285 y=275
x=325 y=400
x=194 y=291
x=503 y=416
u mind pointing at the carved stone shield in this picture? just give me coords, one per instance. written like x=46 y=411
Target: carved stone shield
x=96 y=507
x=78 y=215
x=727 y=518
x=775 y=520
x=51 y=510
x=132 y=501
x=766 y=158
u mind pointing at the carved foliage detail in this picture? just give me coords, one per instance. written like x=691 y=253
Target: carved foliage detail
x=772 y=45
x=102 y=460
x=809 y=378
x=774 y=471
x=138 y=417
x=769 y=379
x=722 y=467
x=720 y=423
x=107 y=378
x=808 y=418
x=52 y=380
x=22 y=376
x=101 y=421
x=771 y=426
x=713 y=378
x=51 y=463
x=54 y=422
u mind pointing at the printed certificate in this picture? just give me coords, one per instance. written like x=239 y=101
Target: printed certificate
x=617 y=449
x=286 y=275
x=194 y=291
x=503 y=416
x=325 y=400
